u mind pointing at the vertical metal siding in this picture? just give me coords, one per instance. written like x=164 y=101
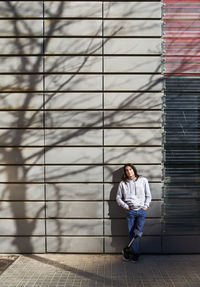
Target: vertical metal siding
x=182 y=67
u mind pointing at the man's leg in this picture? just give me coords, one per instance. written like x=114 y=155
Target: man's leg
x=130 y=217
x=138 y=227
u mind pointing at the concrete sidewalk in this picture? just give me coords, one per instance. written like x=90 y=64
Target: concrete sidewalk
x=56 y=270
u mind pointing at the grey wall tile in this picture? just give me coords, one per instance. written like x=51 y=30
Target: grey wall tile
x=83 y=173
x=73 y=64
x=22 y=9
x=19 y=119
x=74 y=82
x=22 y=244
x=19 y=191
x=133 y=82
x=75 y=119
x=20 y=46
x=22 y=209
x=130 y=46
x=21 y=173
x=75 y=209
x=74 y=244
x=138 y=155
x=24 y=28
x=132 y=64
x=73 y=27
x=133 y=100
x=16 y=64
x=79 y=191
x=74 y=227
x=73 y=137
x=73 y=100
x=22 y=155
x=17 y=83
x=21 y=137
x=74 y=46
x=138 y=9
x=74 y=155
x=73 y=9
x=132 y=137
x=25 y=227
x=21 y=100
x=133 y=119
x=132 y=28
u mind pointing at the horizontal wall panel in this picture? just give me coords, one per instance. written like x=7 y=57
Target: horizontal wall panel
x=67 y=155
x=21 y=28
x=133 y=119
x=73 y=100
x=111 y=191
x=132 y=64
x=132 y=154
x=22 y=209
x=75 y=209
x=76 y=137
x=113 y=173
x=181 y=244
x=20 y=46
x=77 y=191
x=22 y=245
x=118 y=227
x=112 y=210
x=148 y=244
x=13 y=174
x=22 y=83
x=132 y=28
x=73 y=46
x=74 y=119
x=24 y=100
x=73 y=64
x=74 y=82
x=128 y=46
x=20 y=64
x=22 y=227
x=83 y=173
x=73 y=9
x=75 y=245
x=73 y=27
x=21 y=9
x=126 y=9
x=133 y=100
x=21 y=137
x=21 y=191
x=132 y=137
x=21 y=155
x=133 y=82
x=74 y=227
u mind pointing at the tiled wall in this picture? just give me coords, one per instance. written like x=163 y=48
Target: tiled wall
x=81 y=94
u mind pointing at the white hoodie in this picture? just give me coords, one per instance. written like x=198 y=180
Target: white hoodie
x=135 y=193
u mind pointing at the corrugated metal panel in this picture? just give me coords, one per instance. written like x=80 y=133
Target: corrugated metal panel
x=182 y=137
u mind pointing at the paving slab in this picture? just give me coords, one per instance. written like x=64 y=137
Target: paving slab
x=69 y=270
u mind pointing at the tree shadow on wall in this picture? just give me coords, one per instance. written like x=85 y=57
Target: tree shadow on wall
x=33 y=76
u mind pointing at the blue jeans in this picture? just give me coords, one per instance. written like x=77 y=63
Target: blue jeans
x=135 y=220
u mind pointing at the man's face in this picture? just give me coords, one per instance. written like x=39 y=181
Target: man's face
x=129 y=172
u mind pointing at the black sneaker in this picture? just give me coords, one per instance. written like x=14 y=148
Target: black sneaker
x=125 y=257
x=134 y=257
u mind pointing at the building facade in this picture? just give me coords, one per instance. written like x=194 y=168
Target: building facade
x=87 y=86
